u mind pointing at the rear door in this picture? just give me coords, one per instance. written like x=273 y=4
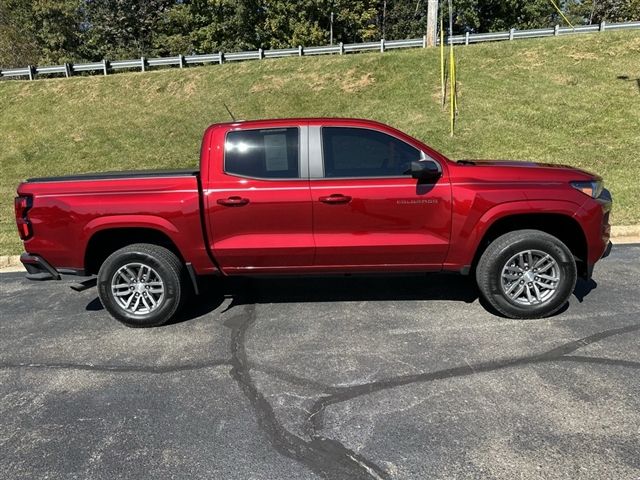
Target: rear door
x=258 y=200
x=369 y=214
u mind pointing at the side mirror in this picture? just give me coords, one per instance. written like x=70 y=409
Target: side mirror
x=426 y=170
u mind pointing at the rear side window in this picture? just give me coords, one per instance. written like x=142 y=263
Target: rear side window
x=360 y=152
x=268 y=153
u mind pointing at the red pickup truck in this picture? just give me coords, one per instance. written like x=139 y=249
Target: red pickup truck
x=317 y=196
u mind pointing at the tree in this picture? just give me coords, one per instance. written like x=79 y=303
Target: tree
x=18 y=46
x=58 y=29
x=596 y=11
x=122 y=28
x=406 y=19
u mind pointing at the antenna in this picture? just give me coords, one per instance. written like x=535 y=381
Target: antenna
x=229 y=112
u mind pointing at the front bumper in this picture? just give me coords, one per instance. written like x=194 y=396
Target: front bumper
x=38 y=268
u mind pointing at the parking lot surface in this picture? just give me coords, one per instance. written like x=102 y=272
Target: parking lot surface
x=349 y=377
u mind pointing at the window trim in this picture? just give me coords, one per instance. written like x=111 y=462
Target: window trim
x=423 y=155
x=303 y=157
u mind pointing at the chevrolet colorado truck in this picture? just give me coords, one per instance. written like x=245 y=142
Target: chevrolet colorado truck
x=309 y=196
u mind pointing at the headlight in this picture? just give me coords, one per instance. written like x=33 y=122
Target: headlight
x=593 y=188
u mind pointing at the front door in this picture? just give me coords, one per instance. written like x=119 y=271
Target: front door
x=369 y=214
x=258 y=200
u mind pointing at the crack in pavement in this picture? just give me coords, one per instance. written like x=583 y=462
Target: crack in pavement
x=336 y=395
x=326 y=457
x=117 y=368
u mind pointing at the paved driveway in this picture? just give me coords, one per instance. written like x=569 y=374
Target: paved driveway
x=386 y=377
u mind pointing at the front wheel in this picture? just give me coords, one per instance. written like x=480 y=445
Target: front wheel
x=141 y=285
x=526 y=274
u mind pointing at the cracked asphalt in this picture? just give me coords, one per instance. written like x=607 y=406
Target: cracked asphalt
x=346 y=377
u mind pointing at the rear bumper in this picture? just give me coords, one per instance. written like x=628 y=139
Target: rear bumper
x=38 y=268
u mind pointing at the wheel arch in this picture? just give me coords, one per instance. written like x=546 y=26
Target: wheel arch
x=560 y=225
x=105 y=241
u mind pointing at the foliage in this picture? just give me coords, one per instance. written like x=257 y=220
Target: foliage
x=596 y=11
x=56 y=31
x=18 y=46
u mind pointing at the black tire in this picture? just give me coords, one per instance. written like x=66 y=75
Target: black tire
x=168 y=268
x=501 y=250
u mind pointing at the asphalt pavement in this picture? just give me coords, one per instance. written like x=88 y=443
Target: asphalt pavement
x=397 y=377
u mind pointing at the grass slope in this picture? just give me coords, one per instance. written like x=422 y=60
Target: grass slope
x=555 y=99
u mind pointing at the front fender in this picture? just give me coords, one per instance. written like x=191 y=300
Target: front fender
x=471 y=230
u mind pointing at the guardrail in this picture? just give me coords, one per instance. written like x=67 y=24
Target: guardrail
x=104 y=67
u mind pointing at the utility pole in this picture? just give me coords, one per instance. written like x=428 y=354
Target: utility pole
x=384 y=18
x=331 y=31
x=432 y=22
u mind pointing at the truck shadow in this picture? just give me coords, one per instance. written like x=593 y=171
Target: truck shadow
x=343 y=288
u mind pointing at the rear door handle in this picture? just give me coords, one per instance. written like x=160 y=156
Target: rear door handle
x=233 y=201
x=335 y=199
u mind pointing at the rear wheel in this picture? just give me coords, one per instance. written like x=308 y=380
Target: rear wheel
x=526 y=274
x=141 y=285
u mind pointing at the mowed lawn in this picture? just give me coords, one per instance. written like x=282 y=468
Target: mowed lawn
x=572 y=100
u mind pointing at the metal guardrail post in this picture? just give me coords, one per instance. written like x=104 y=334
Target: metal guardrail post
x=181 y=60
x=220 y=58
x=67 y=70
x=424 y=41
x=511 y=33
x=300 y=51
x=142 y=61
x=603 y=25
x=556 y=30
x=341 y=48
x=104 y=66
x=30 y=69
x=260 y=54
x=382 y=45
x=466 y=38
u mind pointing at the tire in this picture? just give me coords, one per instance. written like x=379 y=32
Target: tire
x=502 y=273
x=156 y=293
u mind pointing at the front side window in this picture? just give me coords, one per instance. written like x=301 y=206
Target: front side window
x=267 y=153
x=359 y=152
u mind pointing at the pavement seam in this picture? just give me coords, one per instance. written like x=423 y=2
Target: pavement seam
x=117 y=368
x=337 y=395
x=326 y=457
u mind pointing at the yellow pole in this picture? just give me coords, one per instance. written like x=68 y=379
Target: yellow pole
x=454 y=91
x=452 y=87
x=442 y=86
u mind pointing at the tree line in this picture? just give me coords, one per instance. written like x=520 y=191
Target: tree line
x=39 y=32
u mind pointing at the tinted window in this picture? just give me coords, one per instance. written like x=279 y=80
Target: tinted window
x=269 y=153
x=358 y=152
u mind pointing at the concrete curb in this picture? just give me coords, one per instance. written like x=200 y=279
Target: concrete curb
x=9 y=260
x=619 y=234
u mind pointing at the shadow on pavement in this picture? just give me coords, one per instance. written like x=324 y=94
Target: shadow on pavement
x=246 y=291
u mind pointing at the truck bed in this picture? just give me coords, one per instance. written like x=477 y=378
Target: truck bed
x=69 y=213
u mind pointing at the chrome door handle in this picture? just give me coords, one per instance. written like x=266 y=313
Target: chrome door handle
x=233 y=201
x=334 y=199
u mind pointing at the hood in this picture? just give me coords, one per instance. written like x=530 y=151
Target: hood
x=527 y=168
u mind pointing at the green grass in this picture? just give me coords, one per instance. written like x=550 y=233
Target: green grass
x=555 y=99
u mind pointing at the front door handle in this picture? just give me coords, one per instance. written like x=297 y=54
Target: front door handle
x=336 y=198
x=233 y=201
